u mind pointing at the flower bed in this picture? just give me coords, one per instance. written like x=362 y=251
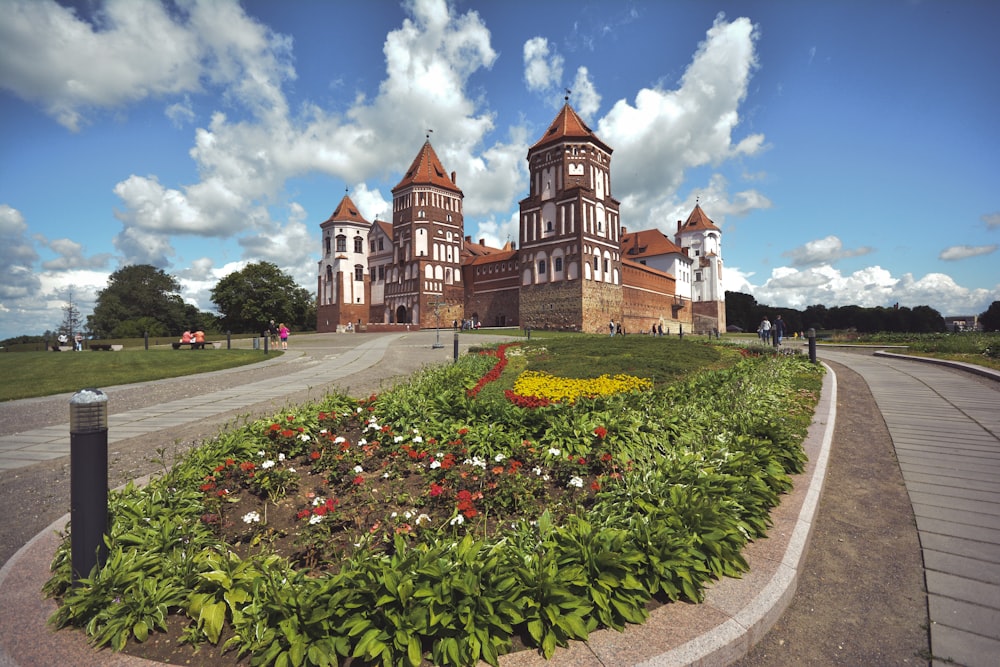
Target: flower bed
x=425 y=522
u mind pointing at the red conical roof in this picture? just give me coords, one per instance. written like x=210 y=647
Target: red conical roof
x=346 y=211
x=698 y=221
x=568 y=125
x=427 y=170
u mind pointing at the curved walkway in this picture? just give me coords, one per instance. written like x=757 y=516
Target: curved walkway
x=945 y=427
x=736 y=613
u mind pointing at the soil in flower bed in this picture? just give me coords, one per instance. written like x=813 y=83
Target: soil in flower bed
x=352 y=488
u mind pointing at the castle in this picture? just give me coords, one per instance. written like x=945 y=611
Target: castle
x=576 y=267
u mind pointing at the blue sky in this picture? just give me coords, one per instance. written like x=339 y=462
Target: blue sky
x=849 y=151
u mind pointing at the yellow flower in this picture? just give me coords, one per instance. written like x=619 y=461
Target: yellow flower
x=543 y=385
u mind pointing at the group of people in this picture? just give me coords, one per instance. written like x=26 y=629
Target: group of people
x=278 y=332
x=771 y=333
x=197 y=337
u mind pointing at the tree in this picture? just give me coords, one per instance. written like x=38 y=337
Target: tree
x=989 y=319
x=261 y=292
x=139 y=298
x=71 y=322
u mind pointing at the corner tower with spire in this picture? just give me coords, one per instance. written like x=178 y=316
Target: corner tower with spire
x=570 y=254
x=702 y=240
x=343 y=283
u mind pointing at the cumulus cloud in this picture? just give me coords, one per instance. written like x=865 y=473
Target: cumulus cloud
x=992 y=220
x=542 y=69
x=71 y=256
x=827 y=250
x=957 y=252
x=17 y=255
x=71 y=65
x=869 y=287
x=664 y=133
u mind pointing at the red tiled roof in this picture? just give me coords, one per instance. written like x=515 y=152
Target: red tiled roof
x=427 y=170
x=568 y=125
x=488 y=258
x=648 y=243
x=385 y=226
x=346 y=211
x=698 y=221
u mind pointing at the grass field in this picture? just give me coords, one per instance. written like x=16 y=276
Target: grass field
x=31 y=374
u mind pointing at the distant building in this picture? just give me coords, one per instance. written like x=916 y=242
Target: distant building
x=576 y=266
x=962 y=323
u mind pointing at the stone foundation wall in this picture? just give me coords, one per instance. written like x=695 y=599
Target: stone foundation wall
x=551 y=306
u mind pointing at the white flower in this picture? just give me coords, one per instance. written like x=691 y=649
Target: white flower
x=499 y=457
x=291 y=470
x=281 y=456
x=457 y=521
x=385 y=475
x=422 y=519
x=417 y=438
x=267 y=464
x=537 y=471
x=394 y=515
x=554 y=452
x=434 y=465
x=251 y=517
x=339 y=439
x=358 y=469
x=261 y=453
x=362 y=442
x=476 y=461
x=545 y=478
x=398 y=438
x=322 y=431
x=318 y=501
x=304 y=437
x=314 y=519
x=576 y=481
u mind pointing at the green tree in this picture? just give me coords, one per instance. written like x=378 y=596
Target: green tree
x=261 y=292
x=139 y=297
x=989 y=319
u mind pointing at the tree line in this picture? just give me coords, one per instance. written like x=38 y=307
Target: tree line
x=742 y=310
x=141 y=299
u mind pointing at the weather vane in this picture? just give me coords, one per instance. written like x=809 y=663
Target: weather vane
x=429 y=133
x=568 y=93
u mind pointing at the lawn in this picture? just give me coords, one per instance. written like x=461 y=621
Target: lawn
x=31 y=374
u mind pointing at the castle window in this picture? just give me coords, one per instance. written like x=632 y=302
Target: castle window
x=373 y=246
x=381 y=273
x=327 y=244
x=380 y=244
x=359 y=272
x=541 y=267
x=359 y=244
x=605 y=266
x=341 y=243
x=558 y=264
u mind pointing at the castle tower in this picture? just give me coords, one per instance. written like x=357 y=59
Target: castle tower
x=703 y=241
x=570 y=255
x=343 y=286
x=424 y=285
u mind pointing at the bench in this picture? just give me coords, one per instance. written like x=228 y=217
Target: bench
x=194 y=346
x=215 y=344
x=100 y=346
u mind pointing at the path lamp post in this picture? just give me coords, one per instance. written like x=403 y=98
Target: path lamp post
x=456 y=346
x=437 y=316
x=811 y=334
x=88 y=454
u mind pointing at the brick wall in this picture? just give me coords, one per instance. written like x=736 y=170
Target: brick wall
x=552 y=306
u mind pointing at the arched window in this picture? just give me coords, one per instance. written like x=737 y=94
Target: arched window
x=359 y=244
x=359 y=272
x=341 y=243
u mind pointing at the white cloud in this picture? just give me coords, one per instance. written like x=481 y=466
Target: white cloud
x=992 y=220
x=957 y=252
x=667 y=132
x=869 y=287
x=542 y=70
x=827 y=250
x=70 y=66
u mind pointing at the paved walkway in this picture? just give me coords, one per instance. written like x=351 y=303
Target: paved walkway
x=26 y=448
x=945 y=427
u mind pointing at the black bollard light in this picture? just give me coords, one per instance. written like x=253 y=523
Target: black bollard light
x=145 y=339
x=811 y=334
x=88 y=455
x=456 y=346
x=680 y=332
x=266 y=341
x=229 y=339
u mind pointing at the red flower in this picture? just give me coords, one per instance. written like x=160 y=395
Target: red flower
x=600 y=432
x=247 y=465
x=208 y=487
x=436 y=489
x=463 y=431
x=359 y=480
x=314 y=455
x=606 y=457
x=287 y=433
x=596 y=486
x=275 y=427
x=303 y=514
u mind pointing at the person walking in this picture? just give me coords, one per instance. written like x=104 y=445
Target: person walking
x=764 y=330
x=779 y=330
x=283 y=335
